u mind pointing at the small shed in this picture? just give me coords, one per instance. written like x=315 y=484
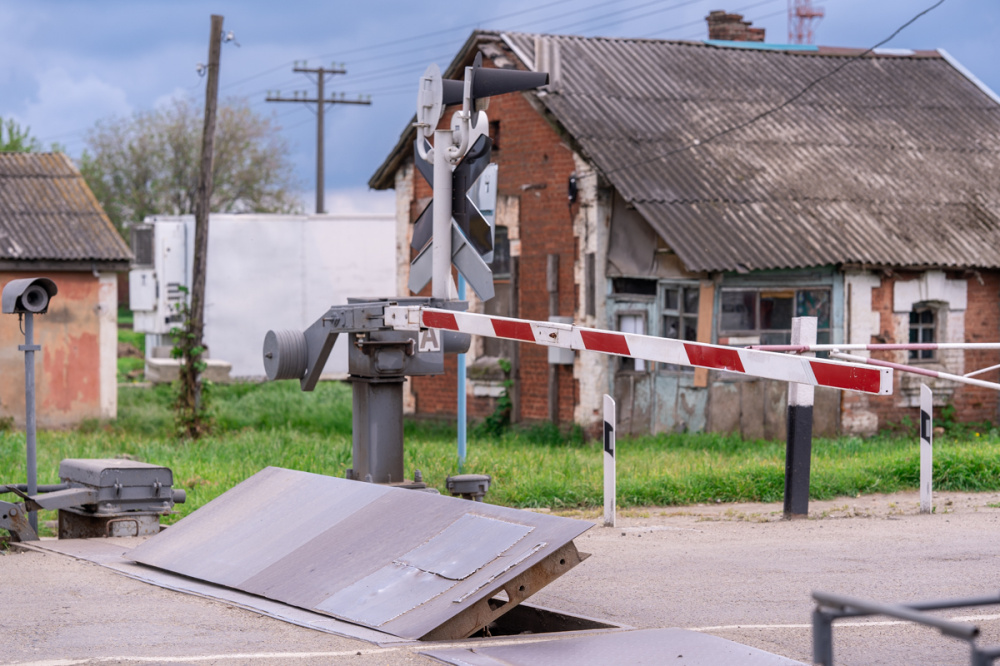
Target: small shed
x=51 y=225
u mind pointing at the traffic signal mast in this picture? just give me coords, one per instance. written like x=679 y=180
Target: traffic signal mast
x=459 y=233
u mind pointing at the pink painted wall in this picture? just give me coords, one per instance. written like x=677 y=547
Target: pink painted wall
x=67 y=370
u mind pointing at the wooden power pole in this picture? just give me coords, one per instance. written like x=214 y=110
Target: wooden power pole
x=320 y=101
x=190 y=398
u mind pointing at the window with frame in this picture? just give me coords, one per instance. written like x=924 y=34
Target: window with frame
x=500 y=267
x=923 y=329
x=679 y=317
x=766 y=314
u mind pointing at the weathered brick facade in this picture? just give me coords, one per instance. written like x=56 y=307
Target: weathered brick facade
x=865 y=303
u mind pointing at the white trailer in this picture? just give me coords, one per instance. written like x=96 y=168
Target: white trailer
x=260 y=268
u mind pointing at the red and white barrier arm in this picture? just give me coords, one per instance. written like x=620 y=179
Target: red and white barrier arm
x=782 y=367
x=961 y=379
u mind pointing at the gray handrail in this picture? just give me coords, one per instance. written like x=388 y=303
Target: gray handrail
x=830 y=607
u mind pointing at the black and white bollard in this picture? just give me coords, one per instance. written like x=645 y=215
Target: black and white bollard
x=609 y=461
x=798 y=450
x=926 y=447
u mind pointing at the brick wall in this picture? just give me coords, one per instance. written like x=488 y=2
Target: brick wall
x=981 y=324
x=732 y=27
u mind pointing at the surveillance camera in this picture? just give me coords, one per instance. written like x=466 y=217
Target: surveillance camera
x=28 y=295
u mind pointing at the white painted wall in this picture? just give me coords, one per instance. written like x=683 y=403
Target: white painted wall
x=862 y=323
x=591 y=229
x=107 y=313
x=283 y=272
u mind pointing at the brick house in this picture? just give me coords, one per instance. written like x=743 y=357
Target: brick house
x=51 y=225
x=871 y=201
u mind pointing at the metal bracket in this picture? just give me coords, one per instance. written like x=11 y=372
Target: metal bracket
x=519 y=588
x=14 y=519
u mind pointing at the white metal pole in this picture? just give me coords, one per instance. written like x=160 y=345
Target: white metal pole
x=798 y=447
x=926 y=447
x=609 y=461
x=441 y=248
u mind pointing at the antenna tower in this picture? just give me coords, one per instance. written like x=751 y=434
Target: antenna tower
x=801 y=18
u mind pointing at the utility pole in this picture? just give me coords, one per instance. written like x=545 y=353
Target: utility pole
x=320 y=101
x=191 y=398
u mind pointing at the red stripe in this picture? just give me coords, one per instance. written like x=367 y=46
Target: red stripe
x=609 y=343
x=513 y=330
x=846 y=377
x=440 y=320
x=714 y=357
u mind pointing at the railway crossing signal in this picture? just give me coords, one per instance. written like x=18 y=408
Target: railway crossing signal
x=451 y=230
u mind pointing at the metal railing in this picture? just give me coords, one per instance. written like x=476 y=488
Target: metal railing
x=830 y=607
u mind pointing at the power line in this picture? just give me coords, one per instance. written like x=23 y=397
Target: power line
x=386 y=55
x=772 y=110
x=401 y=41
x=320 y=101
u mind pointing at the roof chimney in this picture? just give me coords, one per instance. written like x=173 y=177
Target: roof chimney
x=732 y=27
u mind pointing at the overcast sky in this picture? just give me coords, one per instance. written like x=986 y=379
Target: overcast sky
x=66 y=64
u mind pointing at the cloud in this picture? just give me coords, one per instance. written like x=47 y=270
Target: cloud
x=66 y=107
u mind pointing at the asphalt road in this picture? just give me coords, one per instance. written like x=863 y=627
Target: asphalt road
x=735 y=571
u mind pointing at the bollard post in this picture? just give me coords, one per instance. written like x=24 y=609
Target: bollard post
x=926 y=447
x=609 y=461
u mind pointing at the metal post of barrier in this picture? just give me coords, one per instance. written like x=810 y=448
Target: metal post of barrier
x=926 y=447
x=610 y=422
x=798 y=448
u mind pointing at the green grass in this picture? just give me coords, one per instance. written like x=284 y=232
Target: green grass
x=257 y=425
x=131 y=367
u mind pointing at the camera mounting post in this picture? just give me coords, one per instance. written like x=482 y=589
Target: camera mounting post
x=26 y=298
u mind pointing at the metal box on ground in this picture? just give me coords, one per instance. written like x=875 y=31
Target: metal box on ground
x=127 y=497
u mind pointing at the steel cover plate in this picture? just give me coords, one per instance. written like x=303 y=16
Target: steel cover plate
x=407 y=563
x=679 y=647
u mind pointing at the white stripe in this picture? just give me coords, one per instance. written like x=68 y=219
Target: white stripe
x=662 y=350
x=779 y=366
x=552 y=334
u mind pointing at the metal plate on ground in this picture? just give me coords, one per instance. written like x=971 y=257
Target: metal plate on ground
x=679 y=647
x=415 y=565
x=114 y=554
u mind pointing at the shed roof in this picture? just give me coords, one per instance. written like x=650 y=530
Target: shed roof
x=48 y=214
x=892 y=161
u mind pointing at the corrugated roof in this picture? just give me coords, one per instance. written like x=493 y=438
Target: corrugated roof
x=47 y=212
x=894 y=160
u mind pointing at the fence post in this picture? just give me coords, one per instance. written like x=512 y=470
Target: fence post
x=798 y=448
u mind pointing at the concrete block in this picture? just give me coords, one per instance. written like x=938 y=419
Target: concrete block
x=166 y=370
